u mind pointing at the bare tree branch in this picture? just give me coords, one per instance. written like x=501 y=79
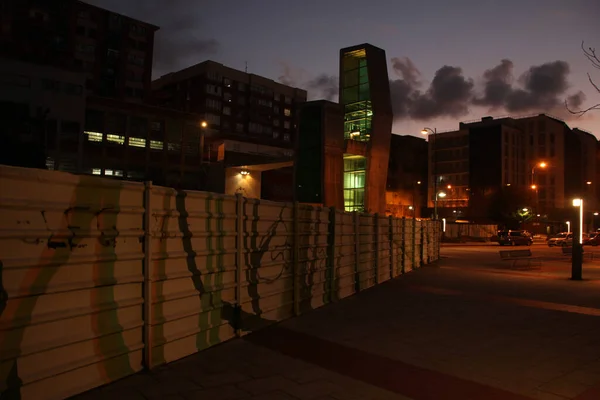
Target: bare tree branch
x=581 y=112
x=591 y=55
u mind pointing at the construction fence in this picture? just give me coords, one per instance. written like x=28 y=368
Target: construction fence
x=102 y=278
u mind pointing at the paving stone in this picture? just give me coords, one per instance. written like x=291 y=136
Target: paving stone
x=218 y=393
x=313 y=389
x=268 y=384
x=276 y=395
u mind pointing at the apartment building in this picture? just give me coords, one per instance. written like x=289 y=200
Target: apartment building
x=43 y=113
x=114 y=51
x=238 y=107
x=493 y=165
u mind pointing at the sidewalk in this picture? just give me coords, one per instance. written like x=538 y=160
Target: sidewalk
x=436 y=333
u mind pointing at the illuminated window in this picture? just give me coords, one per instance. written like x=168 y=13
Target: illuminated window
x=93 y=136
x=287 y=112
x=118 y=173
x=358 y=111
x=108 y=172
x=115 y=138
x=156 y=145
x=137 y=142
x=354 y=182
x=97 y=171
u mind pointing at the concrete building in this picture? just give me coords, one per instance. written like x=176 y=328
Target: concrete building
x=114 y=51
x=141 y=142
x=343 y=149
x=365 y=98
x=406 y=191
x=238 y=106
x=492 y=166
x=43 y=113
x=319 y=168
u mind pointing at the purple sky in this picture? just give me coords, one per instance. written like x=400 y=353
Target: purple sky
x=299 y=41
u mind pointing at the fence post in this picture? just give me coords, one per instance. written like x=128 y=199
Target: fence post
x=332 y=273
x=148 y=275
x=403 y=245
x=375 y=246
x=422 y=230
x=356 y=252
x=296 y=258
x=414 y=243
x=392 y=251
x=239 y=262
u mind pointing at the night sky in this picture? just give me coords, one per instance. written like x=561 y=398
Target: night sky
x=449 y=61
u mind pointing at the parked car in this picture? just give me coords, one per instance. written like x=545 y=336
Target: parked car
x=592 y=240
x=514 y=238
x=563 y=239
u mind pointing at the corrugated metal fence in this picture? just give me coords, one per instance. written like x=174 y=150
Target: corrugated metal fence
x=100 y=278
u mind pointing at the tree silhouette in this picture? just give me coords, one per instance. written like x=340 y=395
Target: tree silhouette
x=590 y=54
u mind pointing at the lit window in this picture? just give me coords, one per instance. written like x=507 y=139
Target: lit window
x=115 y=138
x=93 y=136
x=108 y=172
x=137 y=142
x=118 y=173
x=287 y=112
x=97 y=171
x=156 y=145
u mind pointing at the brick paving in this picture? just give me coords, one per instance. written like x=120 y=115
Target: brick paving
x=469 y=329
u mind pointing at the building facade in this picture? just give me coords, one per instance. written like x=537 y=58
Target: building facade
x=43 y=113
x=236 y=105
x=319 y=166
x=113 y=51
x=492 y=167
x=366 y=106
x=406 y=191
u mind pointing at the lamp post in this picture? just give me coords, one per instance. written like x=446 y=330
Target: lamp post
x=541 y=164
x=577 y=256
x=568 y=226
x=442 y=195
x=428 y=131
x=203 y=125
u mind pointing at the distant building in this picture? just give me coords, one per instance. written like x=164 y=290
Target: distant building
x=406 y=191
x=43 y=112
x=140 y=142
x=114 y=51
x=493 y=166
x=238 y=107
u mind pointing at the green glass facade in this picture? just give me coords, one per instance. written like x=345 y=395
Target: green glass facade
x=356 y=96
x=354 y=182
x=358 y=118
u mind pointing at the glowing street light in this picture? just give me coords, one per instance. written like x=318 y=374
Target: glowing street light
x=568 y=226
x=588 y=183
x=203 y=124
x=577 y=257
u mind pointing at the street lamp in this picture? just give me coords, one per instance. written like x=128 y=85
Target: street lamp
x=568 y=226
x=577 y=255
x=541 y=164
x=428 y=131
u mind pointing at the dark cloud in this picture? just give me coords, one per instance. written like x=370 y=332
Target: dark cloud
x=542 y=87
x=179 y=43
x=449 y=93
x=498 y=85
x=576 y=100
x=325 y=85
